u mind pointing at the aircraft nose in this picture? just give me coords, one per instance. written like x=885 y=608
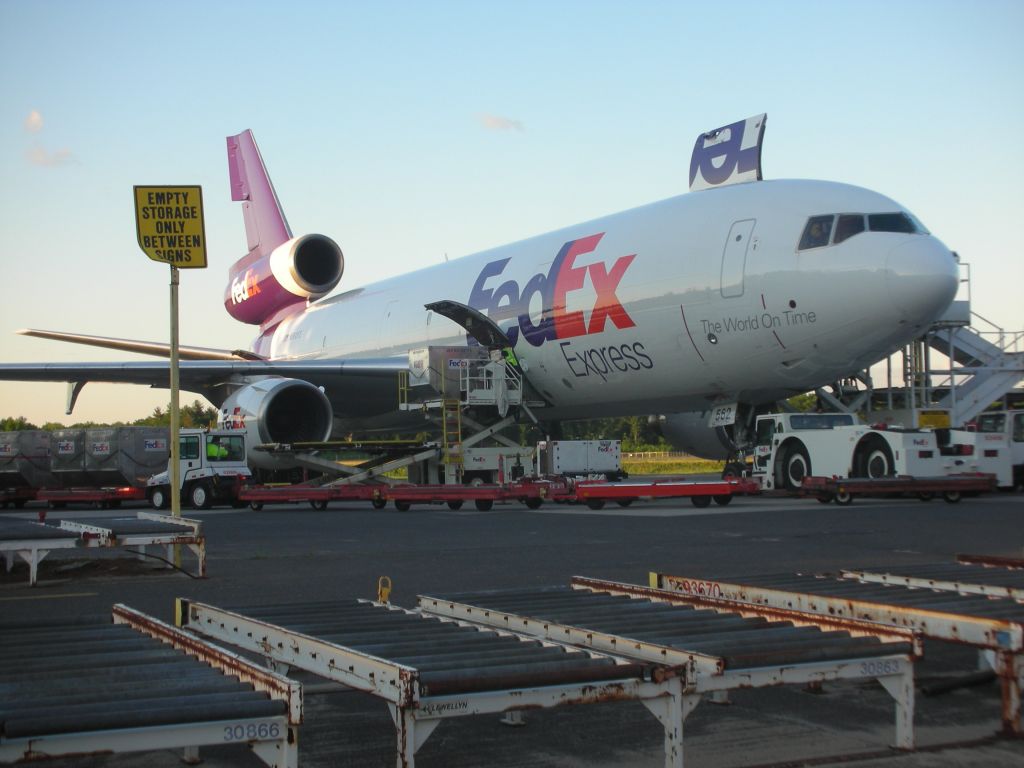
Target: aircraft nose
x=922 y=277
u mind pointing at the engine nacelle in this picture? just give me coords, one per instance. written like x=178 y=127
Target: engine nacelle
x=277 y=410
x=301 y=269
x=690 y=432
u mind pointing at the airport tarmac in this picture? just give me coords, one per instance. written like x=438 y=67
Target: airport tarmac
x=295 y=553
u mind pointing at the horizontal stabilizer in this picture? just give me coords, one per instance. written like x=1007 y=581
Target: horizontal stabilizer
x=156 y=348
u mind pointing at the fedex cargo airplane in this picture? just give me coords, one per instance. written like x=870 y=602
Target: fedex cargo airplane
x=728 y=298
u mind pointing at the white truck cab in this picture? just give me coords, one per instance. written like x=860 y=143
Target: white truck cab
x=212 y=467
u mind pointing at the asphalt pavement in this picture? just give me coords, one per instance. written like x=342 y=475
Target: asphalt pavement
x=294 y=553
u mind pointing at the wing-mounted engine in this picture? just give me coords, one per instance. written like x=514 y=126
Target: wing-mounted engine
x=301 y=269
x=277 y=410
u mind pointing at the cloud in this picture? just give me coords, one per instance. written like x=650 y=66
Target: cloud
x=498 y=123
x=43 y=157
x=34 y=122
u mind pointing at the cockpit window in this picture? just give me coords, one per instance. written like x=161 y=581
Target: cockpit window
x=893 y=222
x=848 y=226
x=817 y=232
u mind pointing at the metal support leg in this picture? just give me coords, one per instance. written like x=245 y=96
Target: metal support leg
x=33 y=557
x=190 y=756
x=901 y=688
x=280 y=754
x=1010 y=669
x=672 y=711
x=412 y=734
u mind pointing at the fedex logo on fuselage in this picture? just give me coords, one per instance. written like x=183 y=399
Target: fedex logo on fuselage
x=244 y=288
x=508 y=301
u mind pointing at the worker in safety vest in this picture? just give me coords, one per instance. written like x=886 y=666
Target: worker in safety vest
x=214 y=450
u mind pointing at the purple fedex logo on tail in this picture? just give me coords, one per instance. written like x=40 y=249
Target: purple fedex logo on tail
x=507 y=301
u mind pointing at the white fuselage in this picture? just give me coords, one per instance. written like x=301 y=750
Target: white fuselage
x=718 y=302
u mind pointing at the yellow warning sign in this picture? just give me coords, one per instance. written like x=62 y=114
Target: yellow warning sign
x=169 y=224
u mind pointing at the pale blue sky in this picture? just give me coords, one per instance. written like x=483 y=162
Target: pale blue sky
x=379 y=123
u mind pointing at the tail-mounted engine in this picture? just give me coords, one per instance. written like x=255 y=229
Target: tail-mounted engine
x=301 y=269
x=277 y=410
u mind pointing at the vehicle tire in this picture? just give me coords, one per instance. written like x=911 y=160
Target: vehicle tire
x=318 y=504
x=873 y=459
x=484 y=505
x=624 y=502
x=402 y=506
x=951 y=497
x=825 y=498
x=796 y=465
x=722 y=499
x=57 y=504
x=255 y=506
x=200 y=496
x=378 y=503
x=700 y=501
x=533 y=503
x=455 y=505
x=926 y=495
x=18 y=503
x=595 y=503
x=844 y=498
x=159 y=498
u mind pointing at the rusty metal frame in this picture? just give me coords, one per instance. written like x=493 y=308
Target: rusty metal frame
x=32 y=551
x=1005 y=638
x=702 y=673
x=94 y=535
x=961 y=586
x=273 y=739
x=415 y=715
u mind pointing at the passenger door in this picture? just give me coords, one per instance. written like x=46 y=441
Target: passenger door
x=734 y=257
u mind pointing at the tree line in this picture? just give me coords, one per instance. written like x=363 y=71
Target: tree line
x=194 y=415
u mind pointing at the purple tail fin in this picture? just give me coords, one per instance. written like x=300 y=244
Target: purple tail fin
x=279 y=274
x=265 y=224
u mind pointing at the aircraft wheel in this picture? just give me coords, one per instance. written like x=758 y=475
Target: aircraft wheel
x=484 y=505
x=795 y=467
x=378 y=503
x=700 y=501
x=595 y=503
x=318 y=504
x=533 y=503
x=722 y=499
x=453 y=505
x=201 y=496
x=402 y=506
x=951 y=497
x=733 y=469
x=159 y=498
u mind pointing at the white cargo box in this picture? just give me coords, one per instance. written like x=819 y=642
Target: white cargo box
x=581 y=457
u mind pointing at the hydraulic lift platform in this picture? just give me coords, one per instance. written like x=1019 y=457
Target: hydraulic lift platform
x=993 y=625
x=137 y=685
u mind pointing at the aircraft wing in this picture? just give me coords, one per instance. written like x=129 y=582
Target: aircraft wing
x=208 y=377
x=160 y=349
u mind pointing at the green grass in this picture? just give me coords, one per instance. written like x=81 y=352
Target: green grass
x=671 y=466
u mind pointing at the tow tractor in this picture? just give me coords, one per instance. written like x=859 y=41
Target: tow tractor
x=831 y=456
x=213 y=469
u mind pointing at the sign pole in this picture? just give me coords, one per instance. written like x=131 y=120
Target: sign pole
x=170 y=228
x=175 y=411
